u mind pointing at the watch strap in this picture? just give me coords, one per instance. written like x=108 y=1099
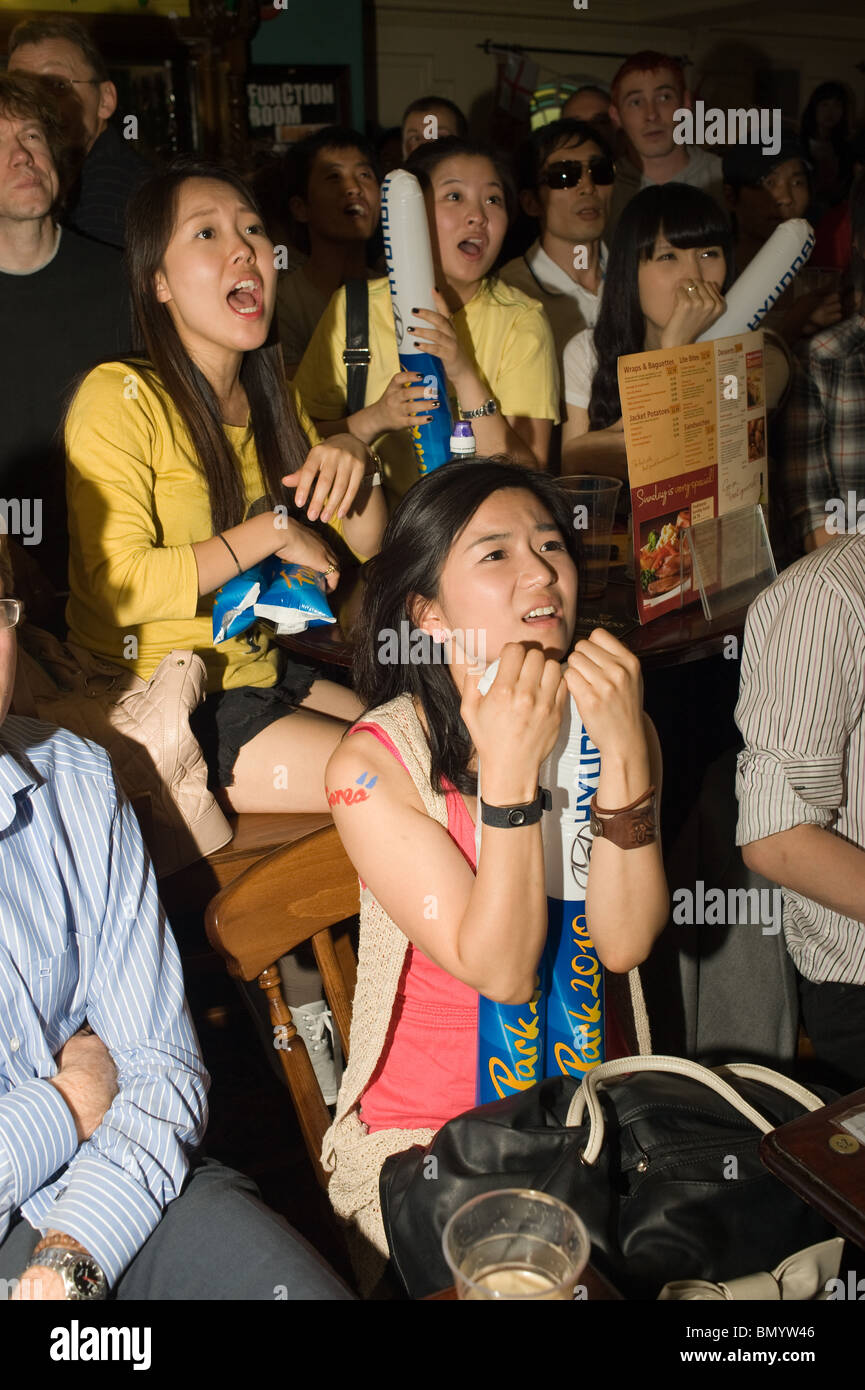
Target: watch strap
x=512 y=817
x=489 y=407
x=61 y=1259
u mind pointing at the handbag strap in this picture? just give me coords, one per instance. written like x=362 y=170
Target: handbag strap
x=750 y=1071
x=356 y=355
x=587 y=1095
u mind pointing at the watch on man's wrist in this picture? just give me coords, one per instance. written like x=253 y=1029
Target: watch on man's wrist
x=83 y=1279
x=489 y=407
x=511 y=817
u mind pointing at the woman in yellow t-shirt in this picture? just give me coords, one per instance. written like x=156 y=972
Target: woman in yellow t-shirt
x=495 y=342
x=177 y=465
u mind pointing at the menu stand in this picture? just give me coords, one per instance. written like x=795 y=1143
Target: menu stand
x=731 y=559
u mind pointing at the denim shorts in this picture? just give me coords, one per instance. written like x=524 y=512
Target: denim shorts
x=228 y=719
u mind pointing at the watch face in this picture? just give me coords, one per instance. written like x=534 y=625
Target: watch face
x=87 y=1278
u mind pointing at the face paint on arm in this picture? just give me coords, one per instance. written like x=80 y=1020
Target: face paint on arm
x=350 y=796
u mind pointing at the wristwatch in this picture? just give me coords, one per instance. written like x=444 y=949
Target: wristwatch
x=82 y=1277
x=509 y=817
x=489 y=407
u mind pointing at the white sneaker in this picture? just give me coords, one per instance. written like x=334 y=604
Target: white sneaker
x=314 y=1023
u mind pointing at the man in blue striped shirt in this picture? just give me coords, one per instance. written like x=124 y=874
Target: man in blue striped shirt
x=102 y=1088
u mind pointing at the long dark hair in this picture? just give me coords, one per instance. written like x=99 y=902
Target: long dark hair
x=840 y=133
x=279 y=440
x=688 y=217
x=414 y=549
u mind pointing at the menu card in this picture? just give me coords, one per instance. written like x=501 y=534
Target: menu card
x=695 y=432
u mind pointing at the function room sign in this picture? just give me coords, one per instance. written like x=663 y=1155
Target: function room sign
x=284 y=104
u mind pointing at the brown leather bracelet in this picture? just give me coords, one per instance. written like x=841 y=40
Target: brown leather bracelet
x=631 y=827
x=620 y=811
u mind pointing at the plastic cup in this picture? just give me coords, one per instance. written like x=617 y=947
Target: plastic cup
x=516 y=1244
x=594 y=506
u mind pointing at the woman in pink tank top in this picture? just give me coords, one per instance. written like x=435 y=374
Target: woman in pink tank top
x=479 y=562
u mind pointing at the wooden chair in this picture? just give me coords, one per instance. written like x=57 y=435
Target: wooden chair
x=256 y=836
x=296 y=894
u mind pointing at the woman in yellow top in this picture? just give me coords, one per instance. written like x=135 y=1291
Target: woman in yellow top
x=175 y=474
x=495 y=343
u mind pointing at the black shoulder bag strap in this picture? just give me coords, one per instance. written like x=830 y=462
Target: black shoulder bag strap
x=356 y=352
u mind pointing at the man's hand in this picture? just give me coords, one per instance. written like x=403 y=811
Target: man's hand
x=39 y=1284
x=86 y=1079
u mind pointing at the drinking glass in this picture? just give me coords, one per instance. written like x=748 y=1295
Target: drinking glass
x=596 y=498
x=515 y=1243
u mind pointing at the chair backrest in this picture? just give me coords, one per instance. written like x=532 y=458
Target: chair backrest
x=296 y=894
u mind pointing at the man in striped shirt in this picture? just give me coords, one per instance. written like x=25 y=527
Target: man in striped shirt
x=801 y=786
x=102 y=1088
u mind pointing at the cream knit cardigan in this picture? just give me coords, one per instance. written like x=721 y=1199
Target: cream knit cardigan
x=349 y=1153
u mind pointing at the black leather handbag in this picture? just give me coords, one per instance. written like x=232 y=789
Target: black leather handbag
x=664 y=1172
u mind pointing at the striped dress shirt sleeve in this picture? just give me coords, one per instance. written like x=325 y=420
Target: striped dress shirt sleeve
x=800 y=712
x=85 y=938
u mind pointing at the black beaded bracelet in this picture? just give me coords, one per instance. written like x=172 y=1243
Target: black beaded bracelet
x=231 y=552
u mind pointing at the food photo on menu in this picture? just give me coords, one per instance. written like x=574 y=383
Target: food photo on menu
x=665 y=563
x=694 y=419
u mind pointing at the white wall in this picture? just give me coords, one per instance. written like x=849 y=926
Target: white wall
x=431 y=45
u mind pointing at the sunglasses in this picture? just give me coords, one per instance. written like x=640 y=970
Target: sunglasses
x=567 y=173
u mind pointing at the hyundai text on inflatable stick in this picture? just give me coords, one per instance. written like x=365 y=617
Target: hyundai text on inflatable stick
x=774 y=267
x=561 y=1029
x=411 y=279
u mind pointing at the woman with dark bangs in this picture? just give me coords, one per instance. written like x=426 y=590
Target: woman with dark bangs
x=481 y=560
x=668 y=269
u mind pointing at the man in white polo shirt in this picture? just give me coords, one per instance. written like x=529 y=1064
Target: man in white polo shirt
x=566 y=181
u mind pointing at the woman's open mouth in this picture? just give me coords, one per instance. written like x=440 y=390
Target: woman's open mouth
x=545 y=615
x=473 y=250
x=246 y=299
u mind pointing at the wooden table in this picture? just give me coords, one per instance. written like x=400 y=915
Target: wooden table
x=673 y=640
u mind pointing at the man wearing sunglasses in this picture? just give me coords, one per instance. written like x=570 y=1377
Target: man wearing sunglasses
x=62 y=52
x=566 y=181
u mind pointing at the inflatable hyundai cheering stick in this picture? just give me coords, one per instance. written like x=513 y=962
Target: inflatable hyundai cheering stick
x=411 y=279
x=762 y=283
x=560 y=1031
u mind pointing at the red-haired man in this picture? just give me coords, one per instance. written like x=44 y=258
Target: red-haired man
x=647 y=91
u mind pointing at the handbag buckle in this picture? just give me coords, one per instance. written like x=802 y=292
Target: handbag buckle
x=356 y=356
